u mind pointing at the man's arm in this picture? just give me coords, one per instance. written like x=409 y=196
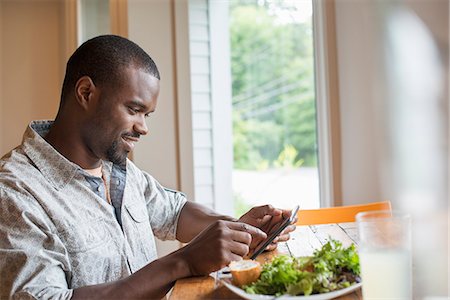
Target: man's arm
x=216 y=246
x=215 y=241
x=194 y=218
x=151 y=282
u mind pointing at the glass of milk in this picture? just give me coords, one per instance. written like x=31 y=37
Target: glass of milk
x=385 y=254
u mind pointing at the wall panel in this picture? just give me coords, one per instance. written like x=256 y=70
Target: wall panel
x=31 y=65
x=151 y=27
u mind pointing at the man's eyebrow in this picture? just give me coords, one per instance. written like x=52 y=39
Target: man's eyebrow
x=140 y=104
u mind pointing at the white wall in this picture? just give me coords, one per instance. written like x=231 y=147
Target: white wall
x=364 y=108
x=151 y=26
x=356 y=37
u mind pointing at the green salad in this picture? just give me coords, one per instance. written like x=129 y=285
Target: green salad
x=331 y=268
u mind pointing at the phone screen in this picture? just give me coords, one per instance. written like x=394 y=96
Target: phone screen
x=260 y=248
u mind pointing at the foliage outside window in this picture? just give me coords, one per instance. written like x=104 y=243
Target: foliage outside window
x=272 y=64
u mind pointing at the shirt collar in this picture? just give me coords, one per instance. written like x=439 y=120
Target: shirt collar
x=57 y=169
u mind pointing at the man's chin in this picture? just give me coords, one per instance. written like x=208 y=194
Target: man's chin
x=116 y=154
x=118 y=159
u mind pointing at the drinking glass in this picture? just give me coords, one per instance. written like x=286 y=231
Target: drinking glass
x=385 y=254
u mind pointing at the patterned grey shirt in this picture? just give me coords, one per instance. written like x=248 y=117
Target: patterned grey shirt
x=57 y=233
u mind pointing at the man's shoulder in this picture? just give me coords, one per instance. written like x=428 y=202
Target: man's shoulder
x=136 y=172
x=142 y=177
x=15 y=161
x=16 y=169
x=152 y=182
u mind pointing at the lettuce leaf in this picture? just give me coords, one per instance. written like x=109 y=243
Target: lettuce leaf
x=332 y=267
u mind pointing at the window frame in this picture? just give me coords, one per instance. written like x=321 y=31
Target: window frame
x=327 y=103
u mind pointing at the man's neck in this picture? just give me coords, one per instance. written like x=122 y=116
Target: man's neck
x=97 y=172
x=69 y=144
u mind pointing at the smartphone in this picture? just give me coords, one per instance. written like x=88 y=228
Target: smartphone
x=286 y=222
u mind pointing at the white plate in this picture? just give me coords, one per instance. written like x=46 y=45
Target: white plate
x=323 y=296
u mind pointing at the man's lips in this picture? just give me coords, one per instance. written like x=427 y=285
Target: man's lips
x=130 y=141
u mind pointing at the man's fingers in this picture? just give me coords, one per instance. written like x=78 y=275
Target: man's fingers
x=241 y=237
x=286 y=213
x=239 y=249
x=254 y=232
x=265 y=219
x=283 y=238
x=294 y=221
x=284 y=235
x=261 y=211
x=235 y=257
x=289 y=229
x=274 y=223
x=271 y=247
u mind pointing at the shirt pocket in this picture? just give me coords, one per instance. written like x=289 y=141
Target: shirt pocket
x=137 y=213
x=85 y=237
x=145 y=242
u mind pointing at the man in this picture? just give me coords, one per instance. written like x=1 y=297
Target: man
x=78 y=219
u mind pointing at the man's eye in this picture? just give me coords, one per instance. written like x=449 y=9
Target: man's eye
x=133 y=110
x=147 y=115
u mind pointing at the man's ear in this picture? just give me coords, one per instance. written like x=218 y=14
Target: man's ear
x=85 y=90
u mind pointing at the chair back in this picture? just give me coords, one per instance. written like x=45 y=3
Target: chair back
x=337 y=214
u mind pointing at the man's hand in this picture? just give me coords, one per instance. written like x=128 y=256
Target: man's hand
x=218 y=245
x=266 y=218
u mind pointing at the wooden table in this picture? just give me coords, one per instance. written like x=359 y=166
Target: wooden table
x=304 y=240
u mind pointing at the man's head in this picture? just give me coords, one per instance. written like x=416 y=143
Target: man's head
x=102 y=59
x=110 y=86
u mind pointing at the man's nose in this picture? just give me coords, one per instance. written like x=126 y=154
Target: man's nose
x=141 y=127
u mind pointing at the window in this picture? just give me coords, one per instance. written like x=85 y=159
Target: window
x=274 y=112
x=94 y=18
x=253 y=102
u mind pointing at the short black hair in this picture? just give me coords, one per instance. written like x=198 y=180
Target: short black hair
x=103 y=58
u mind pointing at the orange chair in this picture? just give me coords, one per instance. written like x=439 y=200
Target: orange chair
x=337 y=214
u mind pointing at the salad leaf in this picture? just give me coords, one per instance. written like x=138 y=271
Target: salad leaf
x=332 y=267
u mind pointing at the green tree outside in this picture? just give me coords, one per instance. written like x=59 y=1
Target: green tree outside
x=273 y=88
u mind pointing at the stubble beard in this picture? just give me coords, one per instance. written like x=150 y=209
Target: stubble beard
x=116 y=156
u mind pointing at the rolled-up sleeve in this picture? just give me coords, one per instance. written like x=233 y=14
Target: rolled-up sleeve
x=34 y=263
x=164 y=207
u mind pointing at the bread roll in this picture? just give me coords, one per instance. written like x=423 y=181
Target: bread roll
x=245 y=271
